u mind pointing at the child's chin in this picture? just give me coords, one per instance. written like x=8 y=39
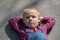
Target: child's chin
x=32 y=26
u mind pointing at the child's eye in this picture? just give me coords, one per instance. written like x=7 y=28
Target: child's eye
x=33 y=16
x=28 y=17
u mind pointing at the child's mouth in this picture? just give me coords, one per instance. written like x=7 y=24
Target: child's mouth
x=30 y=22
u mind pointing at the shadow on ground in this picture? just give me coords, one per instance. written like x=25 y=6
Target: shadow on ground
x=11 y=33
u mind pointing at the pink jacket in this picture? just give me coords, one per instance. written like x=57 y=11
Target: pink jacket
x=17 y=24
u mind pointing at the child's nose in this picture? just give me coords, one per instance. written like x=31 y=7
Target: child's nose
x=30 y=18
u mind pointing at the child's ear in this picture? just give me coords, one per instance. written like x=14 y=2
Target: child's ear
x=40 y=18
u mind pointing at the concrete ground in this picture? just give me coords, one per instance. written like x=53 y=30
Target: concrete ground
x=11 y=8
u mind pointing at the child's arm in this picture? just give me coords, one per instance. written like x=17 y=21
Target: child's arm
x=49 y=22
x=13 y=22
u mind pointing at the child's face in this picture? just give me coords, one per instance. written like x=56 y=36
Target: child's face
x=31 y=18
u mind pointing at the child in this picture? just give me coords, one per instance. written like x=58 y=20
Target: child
x=32 y=26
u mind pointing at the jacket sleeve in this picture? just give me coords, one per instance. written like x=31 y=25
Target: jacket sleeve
x=13 y=22
x=49 y=22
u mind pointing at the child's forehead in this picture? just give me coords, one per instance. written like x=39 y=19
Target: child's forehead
x=30 y=11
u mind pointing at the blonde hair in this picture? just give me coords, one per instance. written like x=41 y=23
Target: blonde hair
x=33 y=8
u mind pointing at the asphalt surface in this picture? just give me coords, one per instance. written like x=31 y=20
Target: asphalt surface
x=11 y=8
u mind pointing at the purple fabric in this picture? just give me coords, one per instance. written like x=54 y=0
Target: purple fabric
x=17 y=23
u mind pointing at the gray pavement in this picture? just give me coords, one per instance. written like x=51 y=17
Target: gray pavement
x=11 y=8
